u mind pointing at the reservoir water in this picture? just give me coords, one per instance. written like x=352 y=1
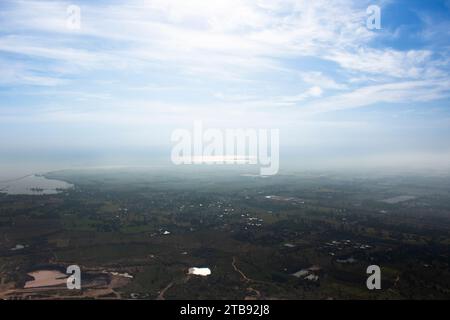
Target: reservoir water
x=33 y=184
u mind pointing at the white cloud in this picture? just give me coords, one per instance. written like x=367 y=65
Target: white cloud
x=386 y=62
x=313 y=92
x=236 y=35
x=240 y=43
x=319 y=79
x=17 y=73
x=395 y=92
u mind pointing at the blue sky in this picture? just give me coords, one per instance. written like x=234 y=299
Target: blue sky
x=137 y=70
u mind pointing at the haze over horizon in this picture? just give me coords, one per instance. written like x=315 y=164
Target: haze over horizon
x=112 y=91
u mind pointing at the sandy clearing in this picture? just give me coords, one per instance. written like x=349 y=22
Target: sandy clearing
x=46 y=278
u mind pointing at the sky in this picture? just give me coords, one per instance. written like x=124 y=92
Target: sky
x=339 y=92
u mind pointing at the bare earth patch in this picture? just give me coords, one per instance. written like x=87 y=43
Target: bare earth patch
x=46 y=278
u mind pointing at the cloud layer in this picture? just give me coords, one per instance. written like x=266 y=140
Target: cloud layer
x=231 y=62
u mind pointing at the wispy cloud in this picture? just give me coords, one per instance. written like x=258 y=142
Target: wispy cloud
x=161 y=61
x=396 y=92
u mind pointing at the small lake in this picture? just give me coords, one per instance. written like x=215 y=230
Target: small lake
x=33 y=185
